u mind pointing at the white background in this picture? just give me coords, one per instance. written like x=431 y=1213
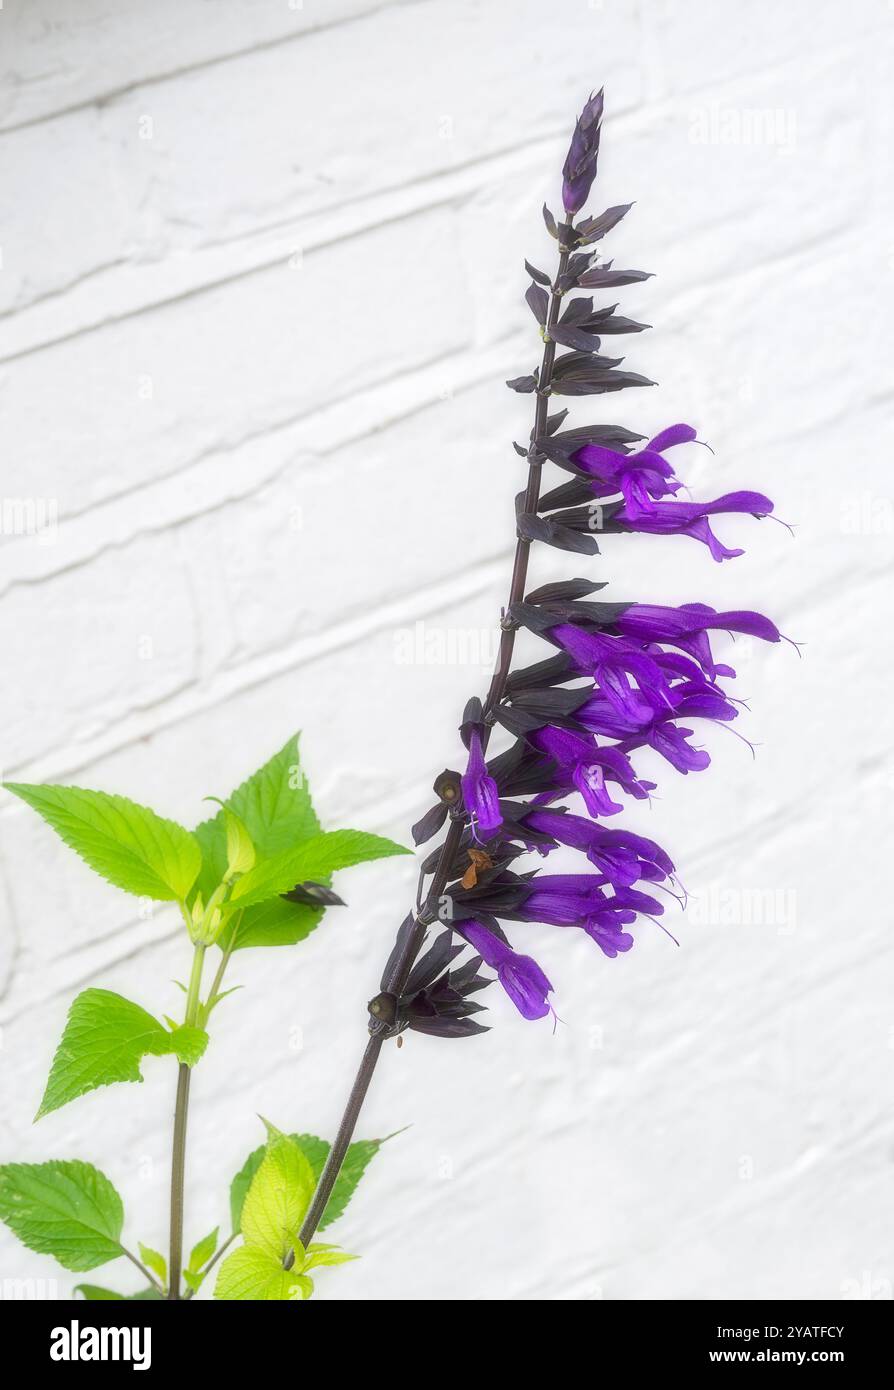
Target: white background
x=262 y=283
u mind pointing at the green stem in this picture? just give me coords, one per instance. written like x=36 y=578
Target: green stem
x=225 y=957
x=218 y=978
x=195 y=984
x=178 y=1154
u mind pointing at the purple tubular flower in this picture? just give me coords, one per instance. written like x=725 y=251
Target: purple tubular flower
x=579 y=758
x=654 y=623
x=612 y=661
x=661 y=732
x=480 y=795
x=520 y=976
x=641 y=477
x=575 y=900
x=563 y=900
x=686 y=628
x=585 y=767
x=583 y=153
x=691 y=519
x=621 y=856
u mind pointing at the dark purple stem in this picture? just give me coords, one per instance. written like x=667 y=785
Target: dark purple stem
x=428 y=914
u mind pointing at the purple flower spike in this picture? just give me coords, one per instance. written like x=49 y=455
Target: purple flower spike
x=583 y=153
x=520 y=976
x=623 y=680
x=480 y=795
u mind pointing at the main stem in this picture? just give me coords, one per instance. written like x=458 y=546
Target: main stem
x=178 y=1153
x=415 y=938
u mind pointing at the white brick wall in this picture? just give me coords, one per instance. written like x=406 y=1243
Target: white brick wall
x=261 y=284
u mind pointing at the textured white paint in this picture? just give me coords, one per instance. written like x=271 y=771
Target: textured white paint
x=256 y=361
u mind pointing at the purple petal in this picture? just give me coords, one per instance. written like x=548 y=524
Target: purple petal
x=672 y=435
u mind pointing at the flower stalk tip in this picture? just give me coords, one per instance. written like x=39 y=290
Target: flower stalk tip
x=583 y=153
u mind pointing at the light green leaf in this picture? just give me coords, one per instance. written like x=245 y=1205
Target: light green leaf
x=240 y=1185
x=315 y=1151
x=314 y=859
x=277 y=1198
x=275 y=803
x=275 y=807
x=241 y=854
x=104 y=1040
x=240 y=850
x=193 y=1280
x=212 y=840
x=127 y=844
x=155 y=1261
x=203 y=1250
x=276 y=922
x=253 y=1273
x=93 y=1293
x=357 y=1159
x=188 y=1043
x=67 y=1209
x=319 y=1255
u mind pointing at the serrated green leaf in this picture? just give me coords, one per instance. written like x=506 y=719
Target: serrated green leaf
x=316 y=1151
x=202 y=1251
x=105 y=1038
x=277 y=1198
x=155 y=1261
x=63 y=1208
x=357 y=1159
x=128 y=844
x=193 y=1280
x=275 y=803
x=314 y=859
x=252 y=1273
x=276 y=922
